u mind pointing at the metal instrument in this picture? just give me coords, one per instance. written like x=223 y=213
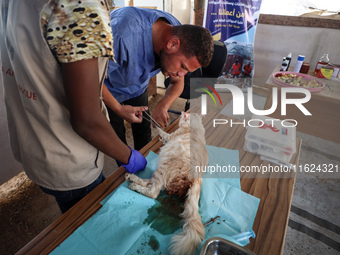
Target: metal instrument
x=151 y=120
x=211 y=221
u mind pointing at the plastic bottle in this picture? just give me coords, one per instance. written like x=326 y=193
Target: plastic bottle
x=298 y=63
x=289 y=59
x=284 y=66
x=322 y=62
x=222 y=79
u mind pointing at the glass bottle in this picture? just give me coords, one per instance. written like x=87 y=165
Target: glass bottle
x=322 y=62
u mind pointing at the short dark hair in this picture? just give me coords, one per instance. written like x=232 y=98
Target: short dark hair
x=195 y=41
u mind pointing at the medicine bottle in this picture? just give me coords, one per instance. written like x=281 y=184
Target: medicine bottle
x=304 y=68
x=322 y=62
x=284 y=65
x=298 y=63
x=289 y=58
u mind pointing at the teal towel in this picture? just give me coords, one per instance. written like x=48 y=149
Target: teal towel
x=130 y=223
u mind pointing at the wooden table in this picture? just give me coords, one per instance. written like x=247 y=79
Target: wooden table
x=324 y=107
x=270 y=223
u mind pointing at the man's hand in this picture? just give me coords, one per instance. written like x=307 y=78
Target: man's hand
x=132 y=114
x=137 y=162
x=129 y=113
x=160 y=114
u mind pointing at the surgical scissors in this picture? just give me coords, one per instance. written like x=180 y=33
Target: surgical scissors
x=151 y=120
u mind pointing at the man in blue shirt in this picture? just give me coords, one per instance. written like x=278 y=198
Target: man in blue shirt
x=145 y=42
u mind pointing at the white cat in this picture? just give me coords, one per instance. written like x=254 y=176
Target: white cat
x=176 y=175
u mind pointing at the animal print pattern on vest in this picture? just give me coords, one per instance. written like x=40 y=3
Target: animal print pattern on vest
x=74 y=28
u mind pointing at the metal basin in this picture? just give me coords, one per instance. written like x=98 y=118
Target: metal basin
x=220 y=246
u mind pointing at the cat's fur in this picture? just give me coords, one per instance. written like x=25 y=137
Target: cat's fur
x=173 y=174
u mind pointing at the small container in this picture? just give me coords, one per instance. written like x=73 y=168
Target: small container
x=289 y=58
x=336 y=70
x=326 y=72
x=284 y=65
x=304 y=68
x=298 y=64
x=218 y=245
x=323 y=61
x=272 y=140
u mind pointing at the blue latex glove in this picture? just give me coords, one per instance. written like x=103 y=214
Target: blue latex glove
x=137 y=162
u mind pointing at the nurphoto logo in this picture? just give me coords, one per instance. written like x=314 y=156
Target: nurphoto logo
x=239 y=97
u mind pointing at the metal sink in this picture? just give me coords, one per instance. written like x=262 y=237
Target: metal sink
x=220 y=246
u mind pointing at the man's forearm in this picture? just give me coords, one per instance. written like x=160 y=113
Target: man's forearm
x=110 y=101
x=174 y=90
x=82 y=94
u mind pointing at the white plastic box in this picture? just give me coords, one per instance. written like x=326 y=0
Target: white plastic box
x=271 y=138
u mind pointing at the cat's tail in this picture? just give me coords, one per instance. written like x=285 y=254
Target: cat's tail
x=188 y=241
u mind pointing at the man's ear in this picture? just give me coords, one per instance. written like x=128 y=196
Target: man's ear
x=173 y=45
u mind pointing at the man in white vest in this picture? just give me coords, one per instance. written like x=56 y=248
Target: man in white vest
x=57 y=53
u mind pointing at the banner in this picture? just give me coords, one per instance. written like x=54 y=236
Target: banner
x=234 y=22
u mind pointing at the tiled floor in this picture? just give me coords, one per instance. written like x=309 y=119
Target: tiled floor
x=314 y=222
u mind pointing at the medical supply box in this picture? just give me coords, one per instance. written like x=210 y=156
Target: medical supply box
x=273 y=139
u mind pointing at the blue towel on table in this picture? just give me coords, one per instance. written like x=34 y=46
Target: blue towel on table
x=130 y=223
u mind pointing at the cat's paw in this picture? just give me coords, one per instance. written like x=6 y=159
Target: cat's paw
x=134 y=186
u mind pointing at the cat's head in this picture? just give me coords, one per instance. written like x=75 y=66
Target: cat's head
x=185 y=116
x=190 y=119
x=193 y=123
x=184 y=120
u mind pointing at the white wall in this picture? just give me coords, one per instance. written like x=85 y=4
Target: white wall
x=181 y=9
x=151 y=3
x=272 y=43
x=140 y=3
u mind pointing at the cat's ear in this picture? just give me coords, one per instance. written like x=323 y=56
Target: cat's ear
x=185 y=116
